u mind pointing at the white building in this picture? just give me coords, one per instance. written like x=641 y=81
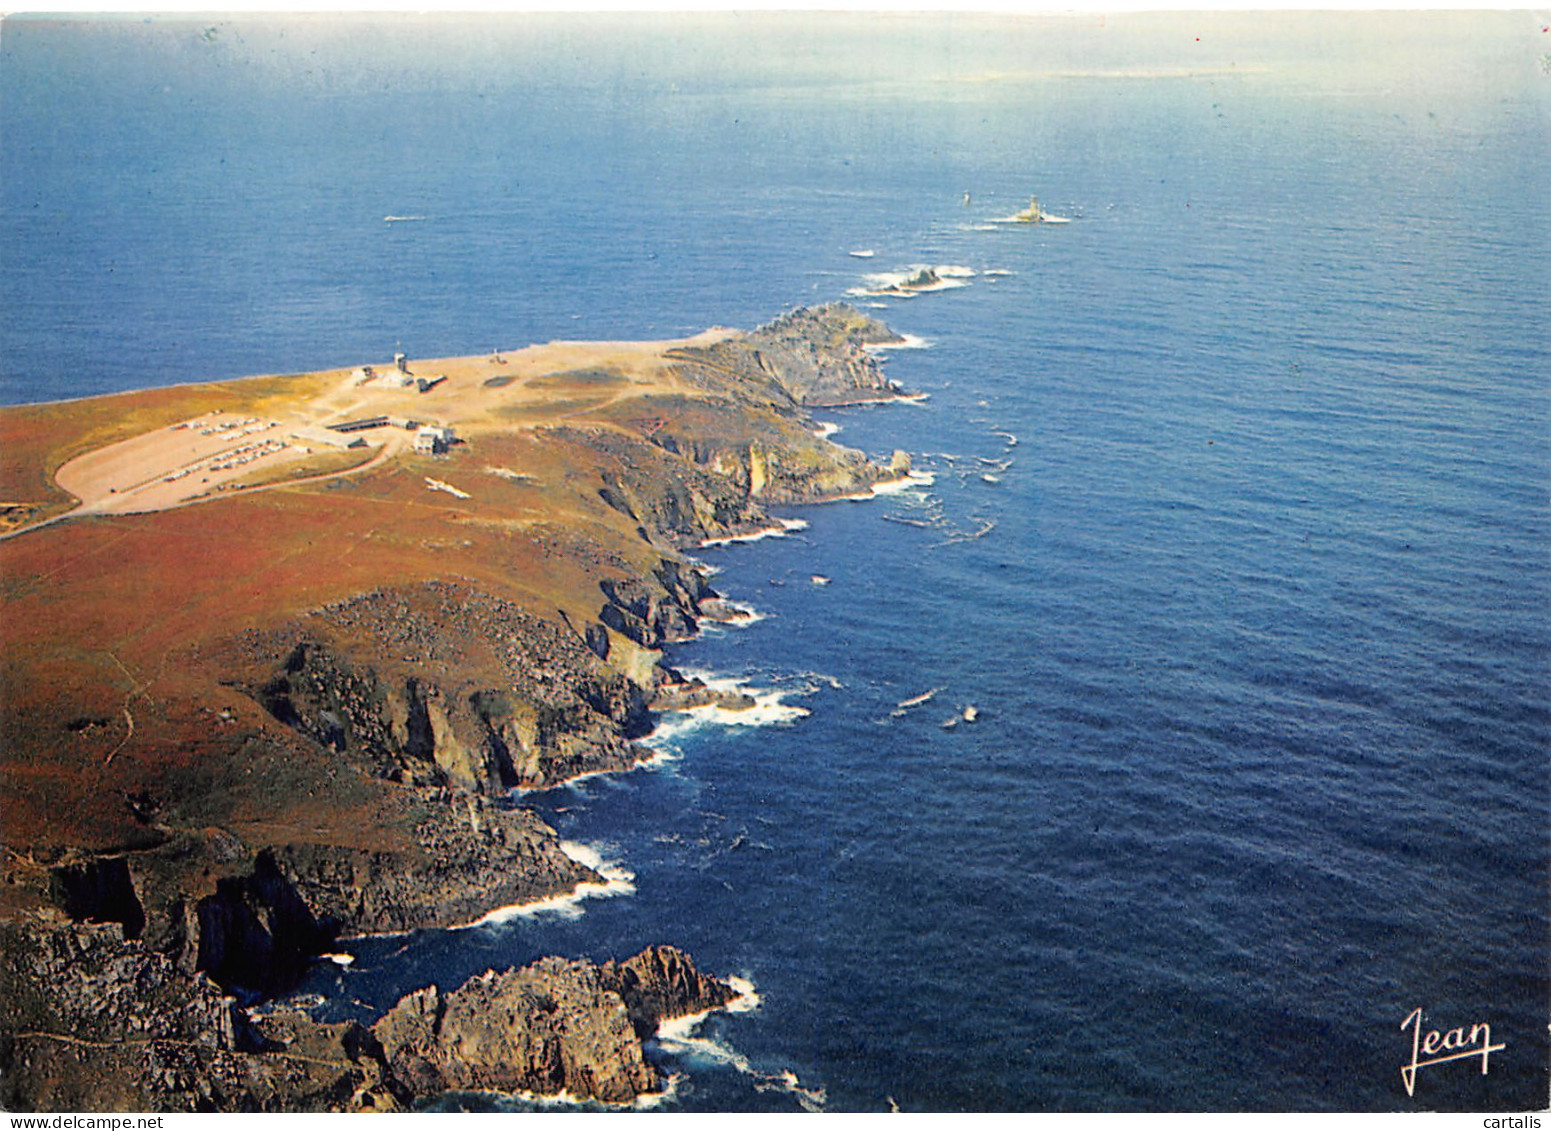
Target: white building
x=433 y=438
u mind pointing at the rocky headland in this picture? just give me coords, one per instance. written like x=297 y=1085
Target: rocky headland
x=300 y=709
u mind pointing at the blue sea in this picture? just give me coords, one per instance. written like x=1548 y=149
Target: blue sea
x=1238 y=541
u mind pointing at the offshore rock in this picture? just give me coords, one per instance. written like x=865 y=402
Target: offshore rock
x=675 y=693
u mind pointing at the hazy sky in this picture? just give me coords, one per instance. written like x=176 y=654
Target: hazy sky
x=341 y=52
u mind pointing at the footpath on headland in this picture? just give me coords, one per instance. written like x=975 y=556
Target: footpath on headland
x=235 y=732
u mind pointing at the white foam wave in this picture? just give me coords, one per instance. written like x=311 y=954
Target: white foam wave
x=743 y=612
x=1044 y=218
x=565 y=1099
x=668 y=732
x=826 y=429
x=617 y=880
x=652 y=761
x=769 y=709
x=734 y=614
x=997 y=272
x=815 y=679
x=787 y=526
x=910 y=481
x=748 y=998
x=914 y=280
x=677 y=1036
x=917 y=700
x=911 y=342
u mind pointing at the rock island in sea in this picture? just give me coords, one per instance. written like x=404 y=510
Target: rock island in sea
x=277 y=651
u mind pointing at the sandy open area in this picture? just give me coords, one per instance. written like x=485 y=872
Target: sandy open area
x=223 y=451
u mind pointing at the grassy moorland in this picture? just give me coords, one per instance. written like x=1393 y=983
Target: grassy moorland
x=257 y=690
x=136 y=648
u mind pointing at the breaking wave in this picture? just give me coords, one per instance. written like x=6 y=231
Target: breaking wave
x=911 y=342
x=914 y=280
x=769 y=709
x=739 y=614
x=678 y=1037
x=786 y=526
x=617 y=880
x=911 y=481
x=564 y=1100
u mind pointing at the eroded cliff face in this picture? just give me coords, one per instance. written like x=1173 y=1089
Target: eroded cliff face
x=98 y=1022
x=447 y=685
x=190 y=825
x=813 y=356
x=473 y=856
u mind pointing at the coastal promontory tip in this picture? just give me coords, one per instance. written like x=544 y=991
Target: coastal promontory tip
x=261 y=690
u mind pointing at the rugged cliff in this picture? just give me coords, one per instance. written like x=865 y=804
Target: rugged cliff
x=234 y=732
x=812 y=356
x=98 y=1022
x=102 y=1022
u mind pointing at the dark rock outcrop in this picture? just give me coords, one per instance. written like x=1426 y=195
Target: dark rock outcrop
x=96 y=1022
x=256 y=933
x=473 y=856
x=676 y=693
x=93 y=1021
x=813 y=355
x=99 y=890
x=370 y=793
x=554 y=1027
x=450 y=686
x=662 y=983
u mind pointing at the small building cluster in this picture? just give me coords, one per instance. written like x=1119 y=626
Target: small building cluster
x=328 y=438
x=360 y=425
x=432 y=439
x=398 y=378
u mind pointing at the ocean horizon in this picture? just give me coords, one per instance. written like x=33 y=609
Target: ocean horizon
x=1178 y=730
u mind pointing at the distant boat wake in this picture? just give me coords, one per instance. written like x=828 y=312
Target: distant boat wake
x=401 y=219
